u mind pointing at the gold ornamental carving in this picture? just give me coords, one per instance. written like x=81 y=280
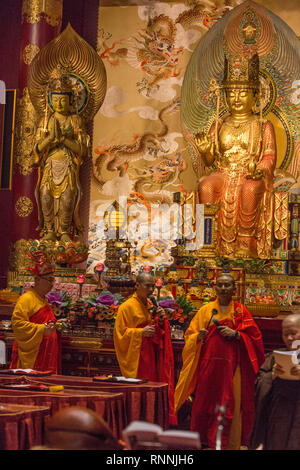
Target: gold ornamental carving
x=24 y=134
x=281 y=215
x=34 y=10
x=18 y=258
x=24 y=206
x=82 y=343
x=29 y=53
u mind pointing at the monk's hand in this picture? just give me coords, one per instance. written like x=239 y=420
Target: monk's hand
x=160 y=312
x=148 y=331
x=277 y=370
x=202 y=335
x=49 y=328
x=295 y=370
x=227 y=333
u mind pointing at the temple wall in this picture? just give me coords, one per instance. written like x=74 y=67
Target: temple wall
x=139 y=149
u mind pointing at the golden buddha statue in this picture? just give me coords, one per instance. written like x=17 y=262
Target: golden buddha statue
x=241 y=148
x=61 y=144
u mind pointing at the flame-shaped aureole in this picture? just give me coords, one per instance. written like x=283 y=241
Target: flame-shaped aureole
x=72 y=54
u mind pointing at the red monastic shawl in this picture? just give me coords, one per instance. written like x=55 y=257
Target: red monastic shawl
x=216 y=367
x=157 y=362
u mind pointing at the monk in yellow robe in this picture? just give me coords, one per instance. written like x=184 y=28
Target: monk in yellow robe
x=221 y=357
x=33 y=323
x=143 y=341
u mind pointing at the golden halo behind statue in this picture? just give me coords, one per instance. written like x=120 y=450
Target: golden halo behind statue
x=72 y=54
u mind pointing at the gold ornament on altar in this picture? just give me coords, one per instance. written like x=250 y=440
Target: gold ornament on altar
x=63 y=254
x=67 y=85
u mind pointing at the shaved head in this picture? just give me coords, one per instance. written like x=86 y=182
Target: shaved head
x=291 y=331
x=225 y=287
x=77 y=427
x=293 y=318
x=145 y=284
x=144 y=277
x=228 y=276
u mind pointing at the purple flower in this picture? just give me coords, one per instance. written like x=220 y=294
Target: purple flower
x=167 y=303
x=54 y=298
x=106 y=299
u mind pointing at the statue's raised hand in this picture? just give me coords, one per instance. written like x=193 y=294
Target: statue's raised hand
x=203 y=142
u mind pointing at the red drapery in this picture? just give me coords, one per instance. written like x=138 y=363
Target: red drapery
x=156 y=361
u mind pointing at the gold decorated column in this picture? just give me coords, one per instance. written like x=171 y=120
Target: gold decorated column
x=41 y=22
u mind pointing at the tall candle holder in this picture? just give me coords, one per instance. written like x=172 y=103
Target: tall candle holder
x=99 y=270
x=158 y=284
x=80 y=281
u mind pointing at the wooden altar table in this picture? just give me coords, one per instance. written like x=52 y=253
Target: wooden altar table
x=144 y=402
x=22 y=426
x=110 y=405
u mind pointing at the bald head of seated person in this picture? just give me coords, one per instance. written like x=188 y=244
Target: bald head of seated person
x=79 y=428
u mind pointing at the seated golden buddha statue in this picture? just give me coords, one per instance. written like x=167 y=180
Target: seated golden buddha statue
x=241 y=148
x=61 y=144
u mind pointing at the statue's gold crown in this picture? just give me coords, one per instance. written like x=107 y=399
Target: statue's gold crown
x=60 y=82
x=241 y=71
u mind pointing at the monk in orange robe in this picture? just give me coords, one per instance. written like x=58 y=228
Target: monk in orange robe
x=33 y=322
x=143 y=342
x=221 y=357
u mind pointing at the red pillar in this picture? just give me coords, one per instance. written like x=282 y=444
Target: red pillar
x=41 y=22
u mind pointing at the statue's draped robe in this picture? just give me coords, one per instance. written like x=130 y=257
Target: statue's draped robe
x=221 y=372
x=32 y=349
x=141 y=357
x=246 y=206
x=58 y=189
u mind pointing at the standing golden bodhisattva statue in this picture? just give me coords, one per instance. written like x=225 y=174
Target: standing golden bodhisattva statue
x=242 y=148
x=61 y=145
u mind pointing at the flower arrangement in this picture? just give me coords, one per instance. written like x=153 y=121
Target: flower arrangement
x=179 y=312
x=62 y=305
x=91 y=309
x=101 y=308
